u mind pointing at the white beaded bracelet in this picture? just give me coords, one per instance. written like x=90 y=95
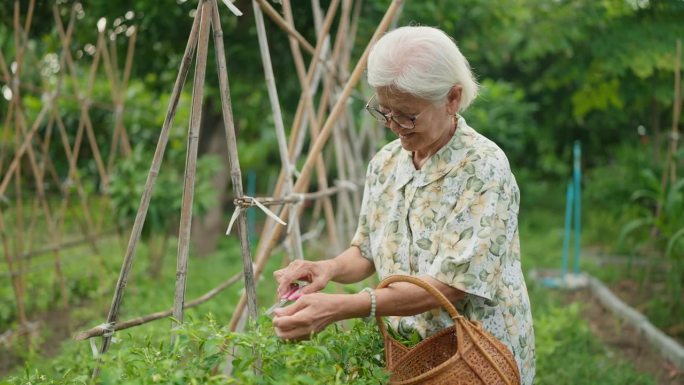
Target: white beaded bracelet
x=370 y=291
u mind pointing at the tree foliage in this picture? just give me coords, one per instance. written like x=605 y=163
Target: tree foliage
x=592 y=70
x=595 y=70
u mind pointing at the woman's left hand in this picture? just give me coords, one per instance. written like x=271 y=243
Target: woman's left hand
x=310 y=314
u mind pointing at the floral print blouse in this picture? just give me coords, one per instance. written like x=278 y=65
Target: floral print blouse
x=455 y=220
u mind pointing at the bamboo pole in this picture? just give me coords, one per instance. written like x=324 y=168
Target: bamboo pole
x=313 y=124
x=26 y=147
x=84 y=120
x=191 y=164
x=234 y=161
x=318 y=15
x=89 y=227
x=344 y=210
x=19 y=46
x=73 y=174
x=317 y=146
x=22 y=149
x=17 y=233
x=670 y=169
x=351 y=183
x=4 y=144
x=325 y=55
x=366 y=127
x=44 y=160
x=295 y=147
x=29 y=16
x=38 y=171
x=18 y=282
x=291 y=199
x=4 y=70
x=356 y=166
x=118 y=90
x=293 y=230
x=125 y=141
x=62 y=245
x=275 y=16
x=100 y=330
x=19 y=217
x=149 y=185
x=296 y=138
x=676 y=113
x=113 y=54
x=85 y=101
x=43 y=200
x=108 y=64
x=15 y=278
x=46 y=163
x=16 y=95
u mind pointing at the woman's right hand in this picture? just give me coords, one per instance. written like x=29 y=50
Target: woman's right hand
x=317 y=273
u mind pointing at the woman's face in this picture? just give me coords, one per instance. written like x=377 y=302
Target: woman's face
x=432 y=126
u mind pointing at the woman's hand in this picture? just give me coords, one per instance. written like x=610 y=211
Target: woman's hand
x=318 y=274
x=310 y=314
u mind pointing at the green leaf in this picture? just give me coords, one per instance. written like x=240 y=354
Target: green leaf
x=673 y=241
x=475 y=184
x=486 y=221
x=469 y=168
x=466 y=234
x=674 y=195
x=632 y=226
x=424 y=243
x=501 y=239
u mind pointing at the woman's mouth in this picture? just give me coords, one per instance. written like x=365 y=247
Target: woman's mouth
x=406 y=135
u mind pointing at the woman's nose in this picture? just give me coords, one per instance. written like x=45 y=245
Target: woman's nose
x=391 y=124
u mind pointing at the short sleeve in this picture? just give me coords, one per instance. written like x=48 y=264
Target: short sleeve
x=361 y=238
x=474 y=238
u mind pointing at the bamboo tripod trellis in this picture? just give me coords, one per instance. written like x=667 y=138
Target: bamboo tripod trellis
x=32 y=147
x=288 y=193
x=327 y=67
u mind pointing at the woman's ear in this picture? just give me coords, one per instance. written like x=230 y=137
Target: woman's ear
x=454 y=99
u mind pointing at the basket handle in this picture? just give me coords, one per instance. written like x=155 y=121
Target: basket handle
x=424 y=285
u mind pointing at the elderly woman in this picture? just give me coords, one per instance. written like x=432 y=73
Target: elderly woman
x=440 y=203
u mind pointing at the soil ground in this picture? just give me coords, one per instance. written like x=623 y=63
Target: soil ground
x=625 y=340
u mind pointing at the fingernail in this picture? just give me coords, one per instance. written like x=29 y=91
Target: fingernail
x=294 y=296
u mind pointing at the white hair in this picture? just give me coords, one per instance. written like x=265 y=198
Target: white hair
x=421 y=61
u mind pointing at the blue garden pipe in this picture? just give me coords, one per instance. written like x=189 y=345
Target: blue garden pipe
x=573 y=201
x=577 y=176
x=566 y=232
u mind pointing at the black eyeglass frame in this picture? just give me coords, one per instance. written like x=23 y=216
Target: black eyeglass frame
x=385 y=118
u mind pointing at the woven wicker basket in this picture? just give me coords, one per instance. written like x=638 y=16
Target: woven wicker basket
x=462 y=354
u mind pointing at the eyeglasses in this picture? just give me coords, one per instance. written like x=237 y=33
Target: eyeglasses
x=406 y=122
